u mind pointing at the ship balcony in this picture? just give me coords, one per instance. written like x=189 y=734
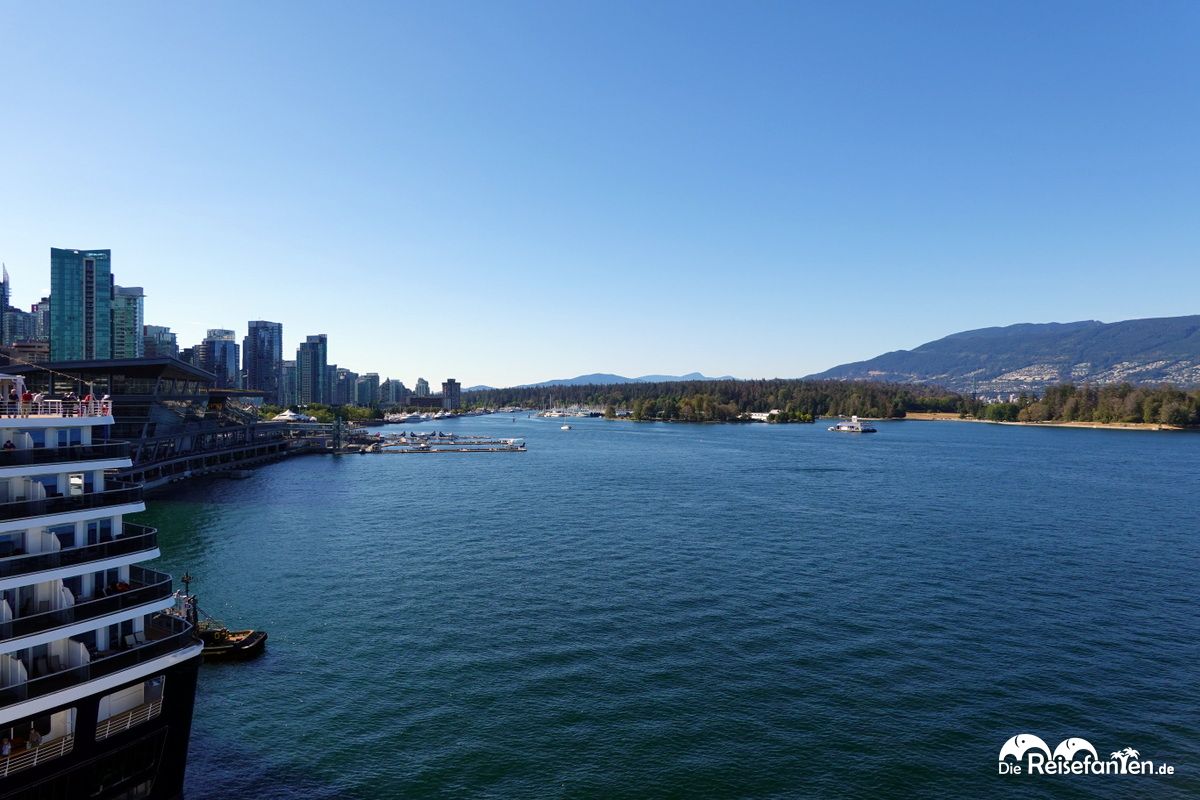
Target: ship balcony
x=101 y=451
x=133 y=539
x=55 y=409
x=145 y=586
x=164 y=634
x=115 y=494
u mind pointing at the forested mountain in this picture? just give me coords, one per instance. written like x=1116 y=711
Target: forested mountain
x=1030 y=357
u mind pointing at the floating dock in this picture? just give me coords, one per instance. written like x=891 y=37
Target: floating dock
x=441 y=443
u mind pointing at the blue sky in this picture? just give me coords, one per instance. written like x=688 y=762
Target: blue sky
x=509 y=192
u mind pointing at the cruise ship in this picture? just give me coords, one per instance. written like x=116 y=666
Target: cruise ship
x=97 y=683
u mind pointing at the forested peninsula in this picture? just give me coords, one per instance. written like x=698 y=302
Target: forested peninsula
x=805 y=400
x=727 y=401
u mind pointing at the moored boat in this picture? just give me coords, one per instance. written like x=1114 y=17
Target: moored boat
x=853 y=425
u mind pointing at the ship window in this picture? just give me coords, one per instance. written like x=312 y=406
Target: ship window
x=69 y=437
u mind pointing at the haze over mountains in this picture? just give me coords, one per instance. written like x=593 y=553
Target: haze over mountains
x=606 y=378
x=1032 y=356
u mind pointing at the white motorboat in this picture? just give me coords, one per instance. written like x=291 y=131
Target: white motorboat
x=854 y=425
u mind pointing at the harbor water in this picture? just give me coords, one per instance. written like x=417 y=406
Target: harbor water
x=633 y=610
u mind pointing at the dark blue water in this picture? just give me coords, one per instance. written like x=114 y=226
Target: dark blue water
x=648 y=610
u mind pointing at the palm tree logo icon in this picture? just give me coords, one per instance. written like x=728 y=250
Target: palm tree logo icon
x=1123 y=756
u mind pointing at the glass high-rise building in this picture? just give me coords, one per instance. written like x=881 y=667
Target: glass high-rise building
x=218 y=354
x=127 y=322
x=158 y=341
x=312 y=370
x=81 y=313
x=262 y=358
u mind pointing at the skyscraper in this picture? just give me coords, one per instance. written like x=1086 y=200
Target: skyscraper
x=288 y=391
x=312 y=374
x=81 y=313
x=344 y=387
x=218 y=354
x=422 y=389
x=366 y=391
x=262 y=358
x=41 y=309
x=451 y=394
x=158 y=341
x=127 y=322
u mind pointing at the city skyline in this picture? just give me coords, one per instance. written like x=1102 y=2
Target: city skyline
x=689 y=197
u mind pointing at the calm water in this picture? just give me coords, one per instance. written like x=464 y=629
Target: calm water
x=647 y=610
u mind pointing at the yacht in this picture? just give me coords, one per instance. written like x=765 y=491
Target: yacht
x=97 y=683
x=855 y=425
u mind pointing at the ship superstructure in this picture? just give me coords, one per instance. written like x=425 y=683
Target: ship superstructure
x=96 y=682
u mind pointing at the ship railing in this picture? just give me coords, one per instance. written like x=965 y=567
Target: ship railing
x=145 y=586
x=127 y=719
x=31 y=757
x=65 y=453
x=55 y=408
x=169 y=634
x=134 y=538
x=115 y=493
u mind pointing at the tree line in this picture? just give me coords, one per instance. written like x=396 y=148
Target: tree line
x=725 y=401
x=1124 y=402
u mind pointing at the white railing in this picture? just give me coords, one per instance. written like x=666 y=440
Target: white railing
x=55 y=408
x=24 y=759
x=127 y=719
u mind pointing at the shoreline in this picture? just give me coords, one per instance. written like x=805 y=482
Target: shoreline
x=940 y=416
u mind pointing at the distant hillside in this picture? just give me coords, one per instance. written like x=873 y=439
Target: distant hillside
x=608 y=379
x=1032 y=356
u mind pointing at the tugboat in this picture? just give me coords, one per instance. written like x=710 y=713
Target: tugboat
x=220 y=643
x=855 y=425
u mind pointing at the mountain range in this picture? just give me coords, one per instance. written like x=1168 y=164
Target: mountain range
x=602 y=378
x=1031 y=356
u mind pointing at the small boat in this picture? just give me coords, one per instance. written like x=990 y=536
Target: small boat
x=565 y=428
x=855 y=425
x=220 y=643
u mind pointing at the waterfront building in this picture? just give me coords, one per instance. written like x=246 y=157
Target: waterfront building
x=218 y=354
x=81 y=287
x=41 y=310
x=451 y=394
x=28 y=352
x=158 y=341
x=262 y=358
x=428 y=401
x=422 y=389
x=289 y=392
x=366 y=390
x=128 y=308
x=19 y=326
x=312 y=377
x=97 y=683
x=331 y=382
x=393 y=393
x=344 y=387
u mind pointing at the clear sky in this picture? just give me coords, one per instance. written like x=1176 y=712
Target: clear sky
x=508 y=192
